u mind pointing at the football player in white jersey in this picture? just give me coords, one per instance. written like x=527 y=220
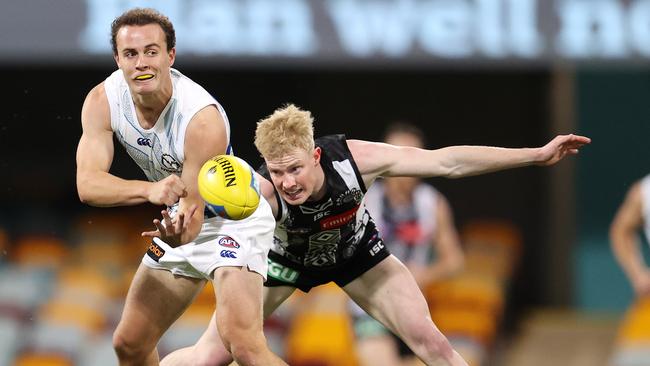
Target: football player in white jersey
x=633 y=215
x=324 y=233
x=170 y=126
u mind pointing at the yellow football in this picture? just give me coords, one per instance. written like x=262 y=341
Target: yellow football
x=229 y=187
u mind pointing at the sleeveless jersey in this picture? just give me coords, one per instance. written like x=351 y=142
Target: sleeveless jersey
x=326 y=233
x=158 y=151
x=645 y=205
x=407 y=231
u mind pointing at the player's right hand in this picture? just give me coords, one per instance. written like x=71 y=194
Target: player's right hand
x=171 y=230
x=167 y=191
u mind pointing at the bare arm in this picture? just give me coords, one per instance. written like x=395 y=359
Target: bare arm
x=95 y=185
x=268 y=191
x=624 y=240
x=376 y=159
x=205 y=138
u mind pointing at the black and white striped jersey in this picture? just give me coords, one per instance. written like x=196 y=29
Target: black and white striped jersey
x=327 y=232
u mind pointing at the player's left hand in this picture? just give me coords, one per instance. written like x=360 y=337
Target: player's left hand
x=170 y=230
x=559 y=147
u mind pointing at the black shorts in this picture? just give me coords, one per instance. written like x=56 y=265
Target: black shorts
x=284 y=272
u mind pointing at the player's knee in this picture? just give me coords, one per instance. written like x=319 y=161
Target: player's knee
x=212 y=357
x=129 y=348
x=244 y=346
x=431 y=342
x=245 y=353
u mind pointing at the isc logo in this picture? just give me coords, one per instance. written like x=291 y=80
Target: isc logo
x=144 y=142
x=228 y=254
x=376 y=248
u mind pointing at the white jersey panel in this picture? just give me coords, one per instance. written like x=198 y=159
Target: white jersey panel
x=645 y=205
x=425 y=201
x=158 y=151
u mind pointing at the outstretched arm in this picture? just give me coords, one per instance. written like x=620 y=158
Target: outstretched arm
x=624 y=240
x=376 y=159
x=95 y=185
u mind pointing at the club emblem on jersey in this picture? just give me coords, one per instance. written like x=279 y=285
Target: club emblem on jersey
x=317 y=208
x=228 y=242
x=169 y=164
x=352 y=195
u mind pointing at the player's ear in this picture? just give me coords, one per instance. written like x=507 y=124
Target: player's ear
x=317 y=152
x=172 y=56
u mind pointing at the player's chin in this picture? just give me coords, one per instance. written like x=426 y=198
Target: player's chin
x=144 y=87
x=294 y=199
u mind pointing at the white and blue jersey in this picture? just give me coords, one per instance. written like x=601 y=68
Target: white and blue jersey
x=158 y=151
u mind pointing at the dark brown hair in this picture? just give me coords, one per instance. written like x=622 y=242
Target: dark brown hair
x=144 y=16
x=405 y=127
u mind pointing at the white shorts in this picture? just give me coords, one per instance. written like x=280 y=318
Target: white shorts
x=221 y=243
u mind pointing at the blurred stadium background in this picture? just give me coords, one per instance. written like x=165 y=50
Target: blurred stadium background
x=541 y=286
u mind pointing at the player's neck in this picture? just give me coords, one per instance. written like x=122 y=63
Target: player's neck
x=149 y=107
x=320 y=186
x=397 y=198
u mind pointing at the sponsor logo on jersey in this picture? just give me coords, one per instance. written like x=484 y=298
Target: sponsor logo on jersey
x=228 y=242
x=155 y=252
x=376 y=248
x=228 y=254
x=144 y=141
x=339 y=220
x=282 y=273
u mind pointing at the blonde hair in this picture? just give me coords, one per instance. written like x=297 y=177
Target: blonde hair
x=287 y=129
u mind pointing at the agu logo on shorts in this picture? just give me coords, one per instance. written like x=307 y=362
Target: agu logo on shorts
x=155 y=251
x=228 y=254
x=282 y=273
x=228 y=242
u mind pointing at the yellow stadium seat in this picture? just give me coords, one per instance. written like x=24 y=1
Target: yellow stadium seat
x=83 y=316
x=470 y=323
x=43 y=359
x=321 y=333
x=635 y=327
x=40 y=251
x=492 y=247
x=467 y=291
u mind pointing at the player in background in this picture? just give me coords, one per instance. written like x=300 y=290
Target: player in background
x=632 y=216
x=170 y=126
x=417 y=226
x=324 y=233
